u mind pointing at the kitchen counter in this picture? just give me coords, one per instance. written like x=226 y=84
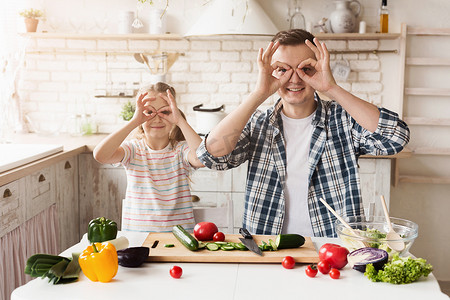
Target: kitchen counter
x=225 y=281
x=73 y=146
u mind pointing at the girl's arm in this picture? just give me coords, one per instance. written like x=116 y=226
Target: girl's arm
x=109 y=150
x=192 y=138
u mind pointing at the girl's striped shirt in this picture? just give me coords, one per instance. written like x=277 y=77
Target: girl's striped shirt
x=158 y=194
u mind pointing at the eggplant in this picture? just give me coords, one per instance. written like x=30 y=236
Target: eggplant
x=132 y=257
x=359 y=258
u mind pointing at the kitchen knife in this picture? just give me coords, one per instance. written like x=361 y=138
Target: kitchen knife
x=249 y=242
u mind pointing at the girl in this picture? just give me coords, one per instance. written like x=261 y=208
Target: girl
x=157 y=162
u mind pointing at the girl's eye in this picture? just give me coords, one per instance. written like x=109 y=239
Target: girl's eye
x=282 y=70
x=166 y=112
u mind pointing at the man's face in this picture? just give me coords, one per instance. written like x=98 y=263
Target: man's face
x=295 y=91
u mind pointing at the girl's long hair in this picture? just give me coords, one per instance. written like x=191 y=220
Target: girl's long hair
x=175 y=135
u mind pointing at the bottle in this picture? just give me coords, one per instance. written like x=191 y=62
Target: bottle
x=384 y=17
x=297 y=20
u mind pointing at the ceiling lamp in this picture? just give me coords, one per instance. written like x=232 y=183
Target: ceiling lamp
x=226 y=17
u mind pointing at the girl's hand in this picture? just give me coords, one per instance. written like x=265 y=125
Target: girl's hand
x=144 y=111
x=171 y=112
x=271 y=76
x=317 y=73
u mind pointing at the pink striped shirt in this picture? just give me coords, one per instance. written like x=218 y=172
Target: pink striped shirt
x=158 y=193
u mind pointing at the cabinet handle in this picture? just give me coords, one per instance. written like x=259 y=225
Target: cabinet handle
x=7 y=193
x=41 y=178
x=195 y=198
x=67 y=165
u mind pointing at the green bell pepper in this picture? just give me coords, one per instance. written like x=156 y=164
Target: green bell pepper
x=101 y=229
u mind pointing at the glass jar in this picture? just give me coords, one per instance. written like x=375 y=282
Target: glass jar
x=297 y=20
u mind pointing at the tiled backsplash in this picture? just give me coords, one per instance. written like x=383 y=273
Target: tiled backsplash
x=63 y=75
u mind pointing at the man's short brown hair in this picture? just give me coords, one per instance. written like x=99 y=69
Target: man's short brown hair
x=293 y=37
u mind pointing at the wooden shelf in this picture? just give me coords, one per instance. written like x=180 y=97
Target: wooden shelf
x=424 y=179
x=358 y=36
x=427 y=91
x=431 y=151
x=428 y=61
x=427 y=121
x=174 y=36
x=95 y=36
x=428 y=31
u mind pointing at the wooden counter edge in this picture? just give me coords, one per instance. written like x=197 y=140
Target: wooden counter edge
x=22 y=171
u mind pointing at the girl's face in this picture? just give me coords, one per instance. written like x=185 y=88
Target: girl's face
x=157 y=127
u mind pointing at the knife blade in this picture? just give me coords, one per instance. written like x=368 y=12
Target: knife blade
x=249 y=242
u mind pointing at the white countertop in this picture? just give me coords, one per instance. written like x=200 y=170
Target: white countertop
x=15 y=155
x=225 y=281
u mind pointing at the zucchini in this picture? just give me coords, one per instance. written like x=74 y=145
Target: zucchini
x=185 y=238
x=292 y=240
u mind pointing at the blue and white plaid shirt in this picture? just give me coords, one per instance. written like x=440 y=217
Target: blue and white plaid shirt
x=336 y=144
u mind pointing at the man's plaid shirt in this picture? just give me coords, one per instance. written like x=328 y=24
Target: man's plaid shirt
x=336 y=144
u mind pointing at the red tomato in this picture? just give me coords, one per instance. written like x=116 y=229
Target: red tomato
x=219 y=237
x=311 y=271
x=335 y=274
x=324 y=267
x=176 y=272
x=288 y=262
x=204 y=231
x=334 y=254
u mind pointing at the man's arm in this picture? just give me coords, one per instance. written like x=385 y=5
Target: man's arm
x=223 y=138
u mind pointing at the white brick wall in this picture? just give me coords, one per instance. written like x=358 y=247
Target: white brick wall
x=211 y=72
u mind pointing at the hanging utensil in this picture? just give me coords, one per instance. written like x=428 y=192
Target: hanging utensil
x=141 y=58
x=394 y=240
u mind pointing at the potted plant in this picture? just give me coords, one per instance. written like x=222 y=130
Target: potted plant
x=31 y=18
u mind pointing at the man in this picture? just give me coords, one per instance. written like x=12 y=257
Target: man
x=303 y=148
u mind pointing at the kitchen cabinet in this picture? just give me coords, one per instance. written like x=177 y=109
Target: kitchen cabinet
x=101 y=190
x=67 y=201
x=12 y=205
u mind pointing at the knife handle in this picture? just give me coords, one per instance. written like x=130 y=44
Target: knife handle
x=244 y=232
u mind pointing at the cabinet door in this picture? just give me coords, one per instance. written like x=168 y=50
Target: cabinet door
x=40 y=190
x=375 y=177
x=12 y=206
x=66 y=174
x=102 y=189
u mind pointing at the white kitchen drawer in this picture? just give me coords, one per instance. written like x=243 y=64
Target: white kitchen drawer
x=239 y=178
x=211 y=199
x=238 y=209
x=42 y=191
x=206 y=180
x=12 y=206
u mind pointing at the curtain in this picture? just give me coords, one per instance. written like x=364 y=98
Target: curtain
x=40 y=234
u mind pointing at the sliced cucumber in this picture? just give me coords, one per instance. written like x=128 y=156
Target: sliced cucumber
x=212 y=247
x=291 y=240
x=169 y=245
x=226 y=247
x=201 y=245
x=273 y=245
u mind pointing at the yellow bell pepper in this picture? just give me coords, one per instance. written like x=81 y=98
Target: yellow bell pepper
x=99 y=262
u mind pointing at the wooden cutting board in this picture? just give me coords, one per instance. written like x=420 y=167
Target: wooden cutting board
x=304 y=254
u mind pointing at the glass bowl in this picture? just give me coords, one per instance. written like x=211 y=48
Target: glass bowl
x=372 y=231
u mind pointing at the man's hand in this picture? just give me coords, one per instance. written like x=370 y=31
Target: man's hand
x=317 y=73
x=271 y=76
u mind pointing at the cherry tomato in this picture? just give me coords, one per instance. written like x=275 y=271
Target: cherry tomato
x=311 y=271
x=204 y=231
x=334 y=254
x=176 y=272
x=219 y=237
x=324 y=267
x=335 y=274
x=288 y=262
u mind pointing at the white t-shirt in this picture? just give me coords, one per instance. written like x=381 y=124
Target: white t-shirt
x=297 y=134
